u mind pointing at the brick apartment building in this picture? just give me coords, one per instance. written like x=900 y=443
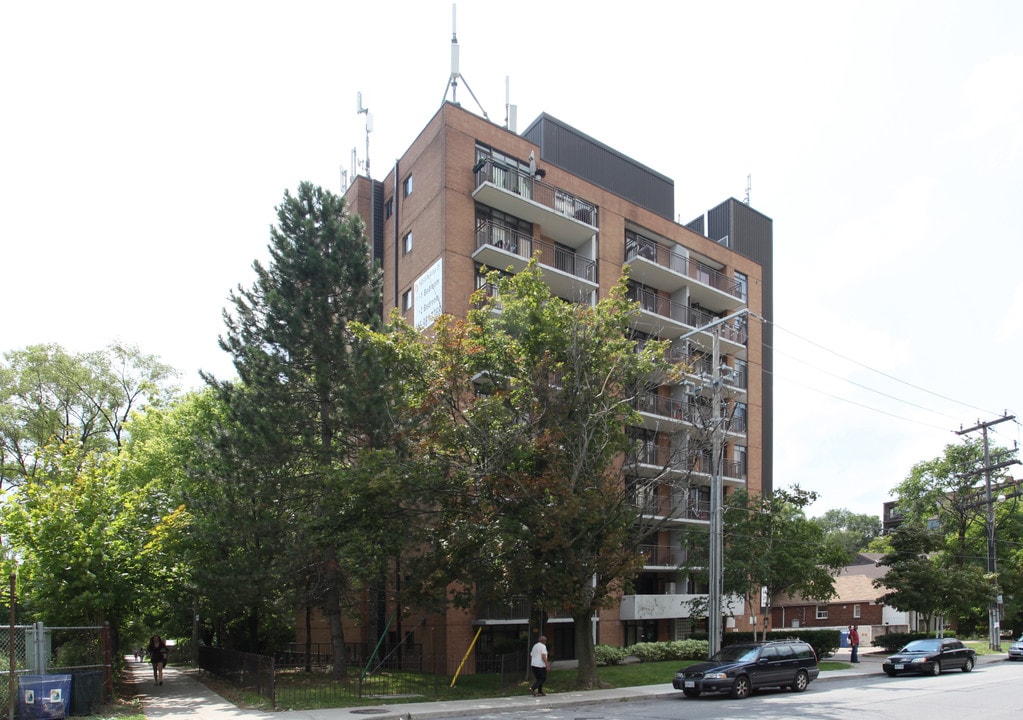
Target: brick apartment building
x=469 y=193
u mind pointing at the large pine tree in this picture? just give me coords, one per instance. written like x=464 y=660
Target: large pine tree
x=306 y=398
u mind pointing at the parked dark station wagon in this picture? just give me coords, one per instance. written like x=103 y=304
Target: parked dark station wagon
x=930 y=656
x=742 y=668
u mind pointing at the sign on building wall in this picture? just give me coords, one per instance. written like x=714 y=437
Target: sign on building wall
x=428 y=295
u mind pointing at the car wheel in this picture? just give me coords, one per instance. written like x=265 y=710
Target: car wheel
x=936 y=668
x=802 y=680
x=968 y=665
x=689 y=692
x=741 y=688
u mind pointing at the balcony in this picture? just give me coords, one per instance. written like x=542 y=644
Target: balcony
x=512 y=610
x=666 y=318
x=566 y=272
x=656 y=265
x=660 y=556
x=655 y=506
x=655 y=607
x=561 y=215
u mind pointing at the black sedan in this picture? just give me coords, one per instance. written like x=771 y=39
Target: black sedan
x=930 y=656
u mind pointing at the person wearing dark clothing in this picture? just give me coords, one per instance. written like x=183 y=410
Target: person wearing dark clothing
x=157 y=652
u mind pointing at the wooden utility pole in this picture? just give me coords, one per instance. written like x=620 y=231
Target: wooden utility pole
x=994 y=604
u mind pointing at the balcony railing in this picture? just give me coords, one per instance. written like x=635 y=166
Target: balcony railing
x=524 y=246
x=685 y=509
x=637 y=246
x=661 y=555
x=658 y=304
x=521 y=183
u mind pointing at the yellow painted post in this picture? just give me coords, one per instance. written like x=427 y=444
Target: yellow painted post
x=466 y=656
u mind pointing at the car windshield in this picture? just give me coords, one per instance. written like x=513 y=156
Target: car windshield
x=736 y=653
x=922 y=646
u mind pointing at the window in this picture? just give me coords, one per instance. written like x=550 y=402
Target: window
x=741 y=286
x=406 y=187
x=406 y=301
x=388 y=207
x=739 y=415
x=856 y=610
x=822 y=612
x=406 y=243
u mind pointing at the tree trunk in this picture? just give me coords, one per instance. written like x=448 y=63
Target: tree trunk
x=586 y=679
x=332 y=606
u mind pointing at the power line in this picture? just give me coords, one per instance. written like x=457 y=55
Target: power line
x=860 y=385
x=858 y=404
x=879 y=372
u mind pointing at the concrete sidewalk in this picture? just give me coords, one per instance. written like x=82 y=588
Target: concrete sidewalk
x=183 y=697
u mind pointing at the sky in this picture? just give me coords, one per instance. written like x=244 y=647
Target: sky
x=144 y=147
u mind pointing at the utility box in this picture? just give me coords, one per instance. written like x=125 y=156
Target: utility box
x=44 y=697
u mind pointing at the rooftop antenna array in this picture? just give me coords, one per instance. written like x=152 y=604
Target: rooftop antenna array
x=749 y=186
x=369 y=128
x=455 y=74
x=510 y=111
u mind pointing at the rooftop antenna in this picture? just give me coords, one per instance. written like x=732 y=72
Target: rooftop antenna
x=510 y=111
x=749 y=186
x=369 y=126
x=455 y=74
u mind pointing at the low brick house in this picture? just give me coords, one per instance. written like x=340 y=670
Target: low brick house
x=855 y=603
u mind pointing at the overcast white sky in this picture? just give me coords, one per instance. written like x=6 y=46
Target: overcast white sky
x=146 y=144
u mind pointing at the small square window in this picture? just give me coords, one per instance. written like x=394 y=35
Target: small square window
x=406 y=301
x=406 y=243
x=822 y=612
x=406 y=187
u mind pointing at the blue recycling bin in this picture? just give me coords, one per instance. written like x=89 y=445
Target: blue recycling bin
x=44 y=697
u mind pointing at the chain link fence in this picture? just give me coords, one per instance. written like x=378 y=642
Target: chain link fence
x=83 y=653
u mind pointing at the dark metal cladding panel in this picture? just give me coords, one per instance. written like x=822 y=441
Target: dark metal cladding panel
x=378 y=222
x=751 y=234
x=592 y=160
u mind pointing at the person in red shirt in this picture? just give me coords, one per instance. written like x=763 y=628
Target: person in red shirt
x=854 y=643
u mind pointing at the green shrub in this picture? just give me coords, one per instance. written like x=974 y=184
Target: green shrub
x=894 y=641
x=609 y=655
x=824 y=642
x=647 y=651
x=689 y=649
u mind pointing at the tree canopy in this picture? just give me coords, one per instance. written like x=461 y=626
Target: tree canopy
x=769 y=543
x=527 y=401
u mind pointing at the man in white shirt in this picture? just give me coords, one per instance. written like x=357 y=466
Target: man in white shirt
x=540 y=664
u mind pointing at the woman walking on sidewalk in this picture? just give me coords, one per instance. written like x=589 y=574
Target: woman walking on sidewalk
x=157 y=651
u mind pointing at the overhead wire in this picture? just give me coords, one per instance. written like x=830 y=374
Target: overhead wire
x=865 y=387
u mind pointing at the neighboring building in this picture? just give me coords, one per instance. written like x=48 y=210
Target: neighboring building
x=855 y=603
x=467 y=194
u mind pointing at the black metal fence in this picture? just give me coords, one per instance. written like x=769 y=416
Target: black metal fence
x=289 y=684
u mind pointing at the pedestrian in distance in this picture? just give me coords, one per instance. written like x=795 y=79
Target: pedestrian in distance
x=540 y=663
x=157 y=651
x=854 y=643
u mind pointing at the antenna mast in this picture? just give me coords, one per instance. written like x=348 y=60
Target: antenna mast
x=749 y=186
x=455 y=74
x=369 y=126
